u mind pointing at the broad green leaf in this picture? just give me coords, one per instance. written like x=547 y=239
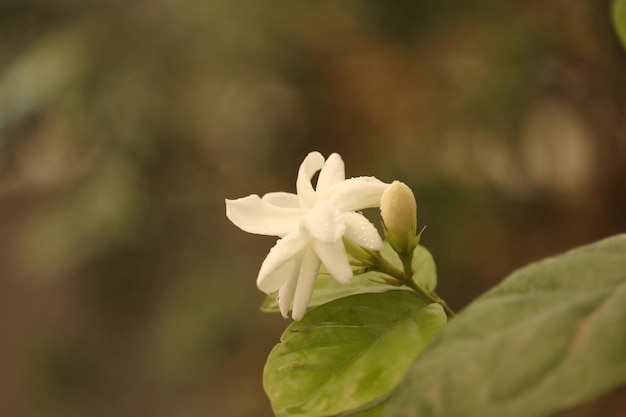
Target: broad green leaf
x=548 y=338
x=619 y=20
x=373 y=409
x=348 y=352
x=327 y=288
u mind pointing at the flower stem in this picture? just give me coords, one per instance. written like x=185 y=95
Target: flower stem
x=374 y=261
x=406 y=278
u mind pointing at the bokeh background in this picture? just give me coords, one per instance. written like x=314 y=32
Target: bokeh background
x=124 y=290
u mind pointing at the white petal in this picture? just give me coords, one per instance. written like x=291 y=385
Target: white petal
x=324 y=222
x=335 y=259
x=360 y=231
x=287 y=291
x=254 y=215
x=313 y=162
x=286 y=249
x=306 y=282
x=279 y=277
x=357 y=193
x=281 y=199
x=332 y=172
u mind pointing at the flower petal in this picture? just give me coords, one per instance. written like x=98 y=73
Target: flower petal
x=287 y=291
x=332 y=172
x=278 y=278
x=281 y=199
x=323 y=222
x=286 y=249
x=254 y=215
x=357 y=193
x=335 y=259
x=313 y=162
x=360 y=231
x=306 y=282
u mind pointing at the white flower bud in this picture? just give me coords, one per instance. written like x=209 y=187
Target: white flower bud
x=398 y=209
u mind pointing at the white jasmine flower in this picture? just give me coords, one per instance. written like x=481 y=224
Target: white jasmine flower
x=311 y=225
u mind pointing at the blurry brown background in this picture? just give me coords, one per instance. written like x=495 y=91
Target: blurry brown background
x=124 y=290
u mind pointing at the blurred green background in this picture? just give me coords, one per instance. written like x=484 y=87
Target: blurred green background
x=125 y=291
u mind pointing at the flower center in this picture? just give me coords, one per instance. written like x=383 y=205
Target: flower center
x=324 y=222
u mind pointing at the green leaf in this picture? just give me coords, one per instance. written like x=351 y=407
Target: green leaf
x=347 y=353
x=548 y=338
x=373 y=409
x=619 y=20
x=327 y=288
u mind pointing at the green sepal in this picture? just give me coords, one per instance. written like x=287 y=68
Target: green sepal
x=403 y=244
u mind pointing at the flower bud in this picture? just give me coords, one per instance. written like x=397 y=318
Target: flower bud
x=398 y=209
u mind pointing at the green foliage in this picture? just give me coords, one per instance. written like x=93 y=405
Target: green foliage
x=327 y=288
x=619 y=20
x=347 y=353
x=373 y=409
x=550 y=337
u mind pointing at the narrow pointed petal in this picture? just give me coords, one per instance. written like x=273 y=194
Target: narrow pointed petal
x=254 y=215
x=287 y=291
x=332 y=173
x=335 y=259
x=281 y=199
x=306 y=282
x=286 y=249
x=275 y=280
x=360 y=231
x=357 y=193
x=313 y=162
x=323 y=222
